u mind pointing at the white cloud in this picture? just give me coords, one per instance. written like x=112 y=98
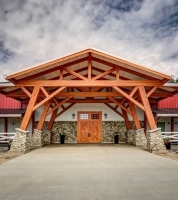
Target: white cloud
x=36 y=31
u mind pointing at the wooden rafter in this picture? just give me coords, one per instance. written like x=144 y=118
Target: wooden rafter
x=52 y=69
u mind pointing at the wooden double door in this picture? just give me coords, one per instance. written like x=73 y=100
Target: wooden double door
x=89 y=127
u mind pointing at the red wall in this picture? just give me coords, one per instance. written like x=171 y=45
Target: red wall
x=7 y=102
x=170 y=102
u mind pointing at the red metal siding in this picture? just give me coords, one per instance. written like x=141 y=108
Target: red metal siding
x=7 y=102
x=170 y=102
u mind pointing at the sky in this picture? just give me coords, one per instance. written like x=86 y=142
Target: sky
x=144 y=32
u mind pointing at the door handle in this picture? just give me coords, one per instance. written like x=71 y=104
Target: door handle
x=89 y=134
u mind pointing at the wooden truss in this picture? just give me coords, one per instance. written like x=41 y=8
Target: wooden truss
x=96 y=84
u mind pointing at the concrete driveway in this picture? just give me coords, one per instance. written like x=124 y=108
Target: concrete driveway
x=74 y=172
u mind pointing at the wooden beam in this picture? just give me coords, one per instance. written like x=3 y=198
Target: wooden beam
x=129 y=98
x=104 y=73
x=61 y=73
x=48 y=98
x=89 y=67
x=26 y=91
x=117 y=73
x=58 y=105
x=30 y=107
x=147 y=107
x=120 y=105
x=44 y=91
x=53 y=69
x=115 y=110
x=43 y=115
x=75 y=74
x=127 y=123
x=134 y=115
x=51 y=122
x=133 y=91
x=94 y=91
x=151 y=91
x=87 y=83
x=141 y=72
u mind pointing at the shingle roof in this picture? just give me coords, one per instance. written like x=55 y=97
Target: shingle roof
x=165 y=111
x=12 y=111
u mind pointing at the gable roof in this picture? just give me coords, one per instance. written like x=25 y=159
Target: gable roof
x=77 y=61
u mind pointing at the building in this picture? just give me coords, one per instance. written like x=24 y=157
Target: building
x=88 y=95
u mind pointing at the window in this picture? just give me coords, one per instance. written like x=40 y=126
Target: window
x=83 y=116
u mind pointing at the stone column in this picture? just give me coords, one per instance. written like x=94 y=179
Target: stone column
x=47 y=136
x=130 y=136
x=21 y=141
x=140 y=139
x=37 y=139
x=155 y=141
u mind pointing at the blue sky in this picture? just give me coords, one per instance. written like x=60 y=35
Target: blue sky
x=141 y=31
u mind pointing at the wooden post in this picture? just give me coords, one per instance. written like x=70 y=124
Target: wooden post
x=127 y=123
x=43 y=115
x=134 y=115
x=51 y=122
x=147 y=107
x=30 y=106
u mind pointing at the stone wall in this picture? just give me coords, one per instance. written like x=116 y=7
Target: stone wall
x=110 y=127
x=37 y=139
x=70 y=130
x=140 y=139
x=155 y=141
x=21 y=141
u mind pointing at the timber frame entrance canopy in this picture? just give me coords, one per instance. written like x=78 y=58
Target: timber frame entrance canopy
x=89 y=76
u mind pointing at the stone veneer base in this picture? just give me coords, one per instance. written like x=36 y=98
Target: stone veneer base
x=155 y=141
x=140 y=139
x=21 y=141
x=37 y=139
x=130 y=136
x=70 y=130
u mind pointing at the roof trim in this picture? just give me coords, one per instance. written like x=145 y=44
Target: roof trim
x=10 y=115
x=167 y=115
x=92 y=50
